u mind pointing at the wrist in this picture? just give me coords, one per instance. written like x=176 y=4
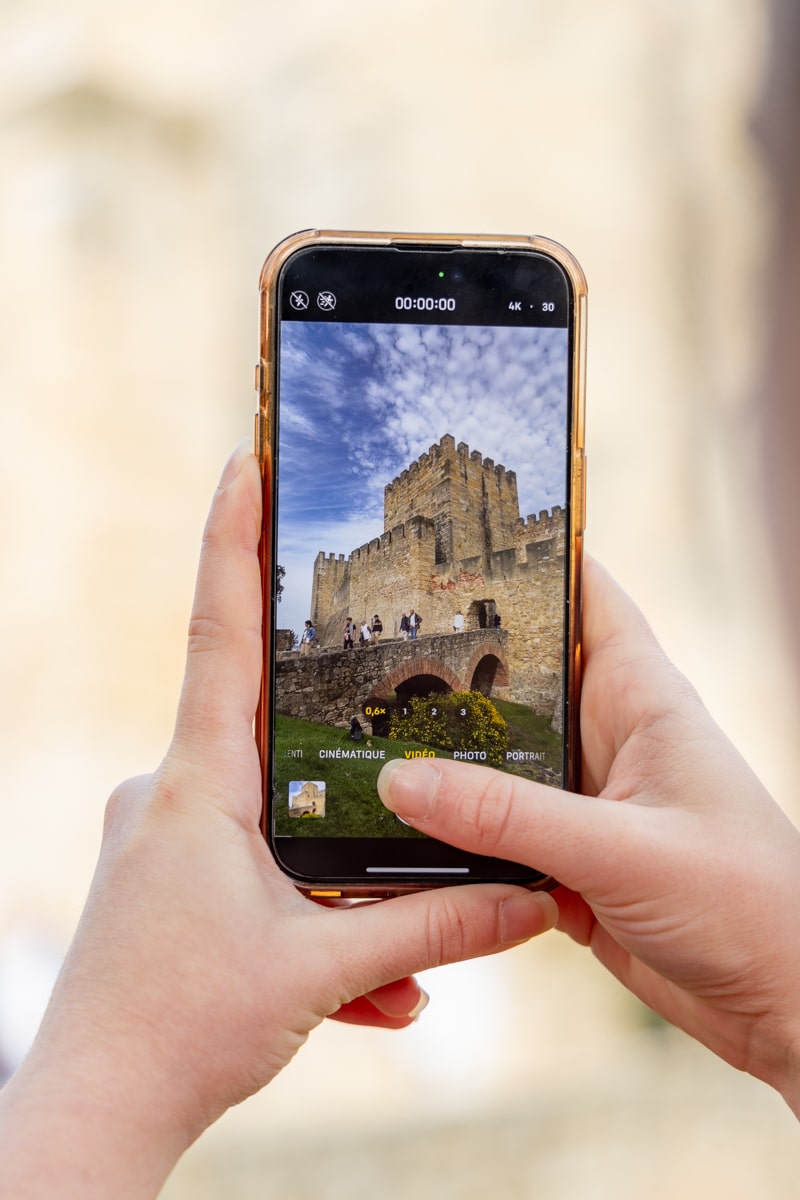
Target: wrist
x=787 y=1077
x=89 y=1116
x=774 y=1058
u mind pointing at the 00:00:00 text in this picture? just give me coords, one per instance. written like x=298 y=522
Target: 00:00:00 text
x=426 y=303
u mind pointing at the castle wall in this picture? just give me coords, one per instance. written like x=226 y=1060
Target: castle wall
x=541 y=529
x=334 y=685
x=495 y=562
x=528 y=594
x=531 y=605
x=383 y=576
x=330 y=572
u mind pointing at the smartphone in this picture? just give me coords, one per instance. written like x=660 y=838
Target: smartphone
x=420 y=428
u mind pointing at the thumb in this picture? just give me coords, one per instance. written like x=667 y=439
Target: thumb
x=375 y=944
x=576 y=839
x=223 y=662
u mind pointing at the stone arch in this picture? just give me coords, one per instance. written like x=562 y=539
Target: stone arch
x=422 y=685
x=486 y=677
x=487 y=669
x=415 y=677
x=412 y=667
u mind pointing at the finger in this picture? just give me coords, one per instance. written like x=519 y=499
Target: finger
x=123 y=805
x=223 y=663
x=401 y=998
x=362 y=1012
x=609 y=614
x=575 y=917
x=581 y=841
x=627 y=678
x=376 y=944
x=394 y=1006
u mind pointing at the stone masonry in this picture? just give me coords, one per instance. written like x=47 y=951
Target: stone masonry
x=454 y=539
x=331 y=686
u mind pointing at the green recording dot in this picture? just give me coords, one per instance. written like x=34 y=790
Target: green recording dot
x=441 y=274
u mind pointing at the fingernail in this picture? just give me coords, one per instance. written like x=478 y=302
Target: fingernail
x=408 y=788
x=235 y=463
x=421 y=1005
x=523 y=917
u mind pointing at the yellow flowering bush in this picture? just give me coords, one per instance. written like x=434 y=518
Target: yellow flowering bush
x=464 y=722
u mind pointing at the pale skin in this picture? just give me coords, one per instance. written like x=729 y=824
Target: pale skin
x=676 y=867
x=198 y=970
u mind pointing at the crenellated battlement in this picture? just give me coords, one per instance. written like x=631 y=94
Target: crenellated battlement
x=472 y=500
x=453 y=536
x=417 y=527
x=437 y=459
x=538 y=528
x=544 y=527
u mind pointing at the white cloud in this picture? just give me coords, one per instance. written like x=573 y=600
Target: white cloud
x=360 y=402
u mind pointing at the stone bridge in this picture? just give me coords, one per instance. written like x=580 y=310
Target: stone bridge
x=330 y=686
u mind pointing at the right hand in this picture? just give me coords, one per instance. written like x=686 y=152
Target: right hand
x=680 y=873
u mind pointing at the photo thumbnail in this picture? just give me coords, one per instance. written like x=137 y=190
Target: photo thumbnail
x=307 y=798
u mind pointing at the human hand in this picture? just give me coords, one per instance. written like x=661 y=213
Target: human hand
x=198 y=970
x=677 y=868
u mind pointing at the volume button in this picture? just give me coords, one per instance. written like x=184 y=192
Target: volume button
x=260 y=436
x=583 y=494
x=262 y=372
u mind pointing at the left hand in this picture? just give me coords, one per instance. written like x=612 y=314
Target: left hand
x=198 y=970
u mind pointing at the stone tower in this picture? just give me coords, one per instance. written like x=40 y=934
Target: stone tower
x=473 y=503
x=454 y=541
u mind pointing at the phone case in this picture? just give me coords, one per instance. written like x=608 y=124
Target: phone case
x=264 y=433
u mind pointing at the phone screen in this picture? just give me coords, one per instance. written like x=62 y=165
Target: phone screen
x=422 y=541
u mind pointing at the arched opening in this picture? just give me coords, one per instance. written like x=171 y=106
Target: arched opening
x=420 y=685
x=488 y=672
x=415 y=676
x=380 y=709
x=482 y=614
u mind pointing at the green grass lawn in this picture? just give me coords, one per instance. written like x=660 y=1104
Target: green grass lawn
x=352 y=806
x=526 y=731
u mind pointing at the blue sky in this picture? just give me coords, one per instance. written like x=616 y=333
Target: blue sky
x=360 y=402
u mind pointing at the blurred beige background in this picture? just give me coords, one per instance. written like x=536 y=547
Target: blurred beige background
x=150 y=156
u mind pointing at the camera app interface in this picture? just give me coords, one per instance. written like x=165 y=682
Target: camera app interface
x=422 y=529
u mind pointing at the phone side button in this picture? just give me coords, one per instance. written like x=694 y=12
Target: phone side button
x=327 y=895
x=583 y=495
x=260 y=436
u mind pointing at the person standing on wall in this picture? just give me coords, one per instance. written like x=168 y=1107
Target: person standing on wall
x=308 y=639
